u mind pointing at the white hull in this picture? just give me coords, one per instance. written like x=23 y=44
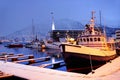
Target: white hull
x=53 y=45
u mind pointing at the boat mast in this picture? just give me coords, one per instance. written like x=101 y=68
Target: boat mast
x=92 y=23
x=53 y=25
x=100 y=18
x=33 y=30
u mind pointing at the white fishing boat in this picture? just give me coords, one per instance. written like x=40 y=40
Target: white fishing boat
x=92 y=49
x=52 y=45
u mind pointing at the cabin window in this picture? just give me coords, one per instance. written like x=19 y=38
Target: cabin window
x=91 y=39
x=95 y=39
x=98 y=39
x=84 y=39
x=87 y=39
x=81 y=40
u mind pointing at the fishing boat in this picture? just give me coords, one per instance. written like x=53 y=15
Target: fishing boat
x=92 y=49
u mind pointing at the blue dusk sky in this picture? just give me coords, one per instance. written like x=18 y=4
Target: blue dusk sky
x=18 y=14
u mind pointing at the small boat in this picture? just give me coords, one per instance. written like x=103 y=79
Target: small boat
x=35 y=44
x=15 y=45
x=92 y=49
x=52 y=45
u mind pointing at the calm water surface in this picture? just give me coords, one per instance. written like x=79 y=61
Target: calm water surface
x=37 y=54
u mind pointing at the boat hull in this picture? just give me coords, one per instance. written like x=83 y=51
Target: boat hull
x=53 y=45
x=83 y=63
x=15 y=46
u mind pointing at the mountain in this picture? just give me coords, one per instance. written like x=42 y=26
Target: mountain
x=65 y=24
x=111 y=31
x=41 y=30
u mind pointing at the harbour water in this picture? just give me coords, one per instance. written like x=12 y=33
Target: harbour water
x=37 y=53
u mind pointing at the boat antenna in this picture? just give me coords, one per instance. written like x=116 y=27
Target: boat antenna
x=53 y=25
x=92 y=23
x=100 y=17
x=104 y=31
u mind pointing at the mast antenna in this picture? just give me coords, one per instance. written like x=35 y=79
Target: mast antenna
x=92 y=23
x=100 y=18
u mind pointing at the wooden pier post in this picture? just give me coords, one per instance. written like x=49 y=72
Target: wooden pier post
x=14 y=59
x=31 y=61
x=57 y=65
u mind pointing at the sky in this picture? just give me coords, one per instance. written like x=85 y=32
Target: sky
x=18 y=14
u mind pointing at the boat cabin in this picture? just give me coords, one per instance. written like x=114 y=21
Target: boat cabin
x=95 y=38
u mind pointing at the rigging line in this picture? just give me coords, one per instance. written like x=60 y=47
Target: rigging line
x=91 y=66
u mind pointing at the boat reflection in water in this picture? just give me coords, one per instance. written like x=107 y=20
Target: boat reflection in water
x=92 y=49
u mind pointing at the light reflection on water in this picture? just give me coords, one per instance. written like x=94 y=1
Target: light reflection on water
x=37 y=54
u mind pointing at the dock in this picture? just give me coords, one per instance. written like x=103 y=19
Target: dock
x=33 y=59
x=15 y=57
x=54 y=64
x=109 y=71
x=4 y=75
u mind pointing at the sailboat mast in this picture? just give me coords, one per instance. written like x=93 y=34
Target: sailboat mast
x=33 y=29
x=53 y=25
x=100 y=18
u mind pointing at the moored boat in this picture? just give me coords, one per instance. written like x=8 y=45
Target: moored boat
x=92 y=49
x=15 y=45
x=35 y=44
x=50 y=44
